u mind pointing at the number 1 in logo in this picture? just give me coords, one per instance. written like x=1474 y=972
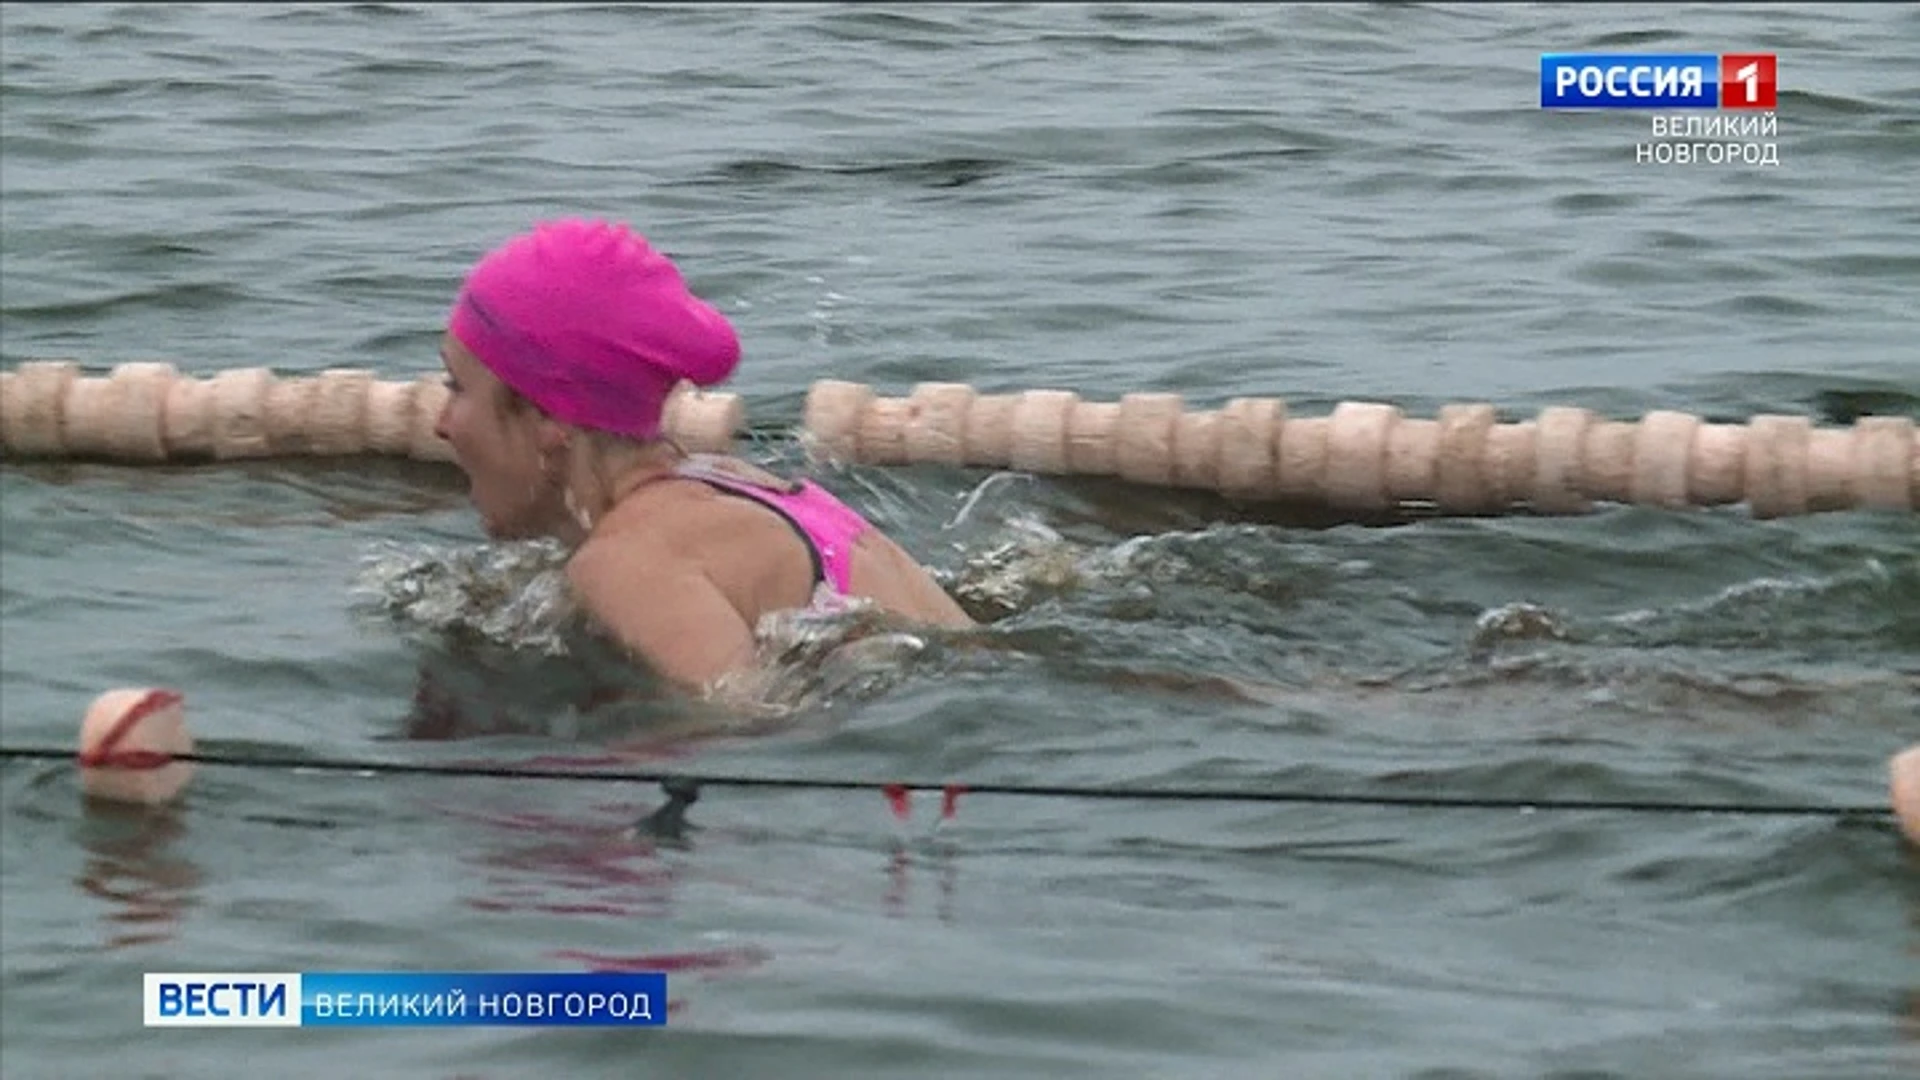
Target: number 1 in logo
x=1748 y=80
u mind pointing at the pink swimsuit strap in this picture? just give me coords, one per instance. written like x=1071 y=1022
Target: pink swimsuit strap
x=828 y=525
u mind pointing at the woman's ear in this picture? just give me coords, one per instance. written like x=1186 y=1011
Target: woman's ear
x=552 y=447
x=551 y=438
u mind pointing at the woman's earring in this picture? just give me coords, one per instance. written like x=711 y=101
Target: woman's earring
x=556 y=469
x=580 y=515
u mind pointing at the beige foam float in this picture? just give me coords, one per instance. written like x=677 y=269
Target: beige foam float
x=1370 y=456
x=150 y=412
x=1364 y=456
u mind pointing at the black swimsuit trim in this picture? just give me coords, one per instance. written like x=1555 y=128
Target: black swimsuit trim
x=813 y=553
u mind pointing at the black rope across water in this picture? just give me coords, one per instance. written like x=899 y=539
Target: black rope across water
x=685 y=785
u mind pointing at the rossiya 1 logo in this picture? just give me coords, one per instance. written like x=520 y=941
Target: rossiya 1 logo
x=1746 y=85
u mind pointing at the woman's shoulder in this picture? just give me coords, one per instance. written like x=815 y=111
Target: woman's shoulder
x=671 y=528
x=651 y=549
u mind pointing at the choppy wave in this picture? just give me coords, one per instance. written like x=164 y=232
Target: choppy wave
x=509 y=594
x=515 y=596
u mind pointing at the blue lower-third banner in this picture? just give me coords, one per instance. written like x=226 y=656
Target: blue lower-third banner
x=406 y=999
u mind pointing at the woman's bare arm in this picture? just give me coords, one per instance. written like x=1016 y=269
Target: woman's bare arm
x=666 y=610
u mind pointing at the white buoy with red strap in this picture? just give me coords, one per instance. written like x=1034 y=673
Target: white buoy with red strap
x=129 y=744
x=1905 y=770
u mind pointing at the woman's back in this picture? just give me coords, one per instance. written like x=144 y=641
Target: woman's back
x=774 y=545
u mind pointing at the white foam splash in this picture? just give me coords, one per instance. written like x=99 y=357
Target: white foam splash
x=516 y=595
x=511 y=594
x=1756 y=591
x=1517 y=621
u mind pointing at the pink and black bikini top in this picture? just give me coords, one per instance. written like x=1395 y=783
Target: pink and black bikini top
x=826 y=525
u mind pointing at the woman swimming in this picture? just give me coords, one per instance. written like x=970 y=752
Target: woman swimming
x=561 y=350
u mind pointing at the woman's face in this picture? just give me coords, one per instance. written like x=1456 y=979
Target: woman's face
x=498 y=444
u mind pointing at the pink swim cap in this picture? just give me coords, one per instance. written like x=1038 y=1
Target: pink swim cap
x=588 y=322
